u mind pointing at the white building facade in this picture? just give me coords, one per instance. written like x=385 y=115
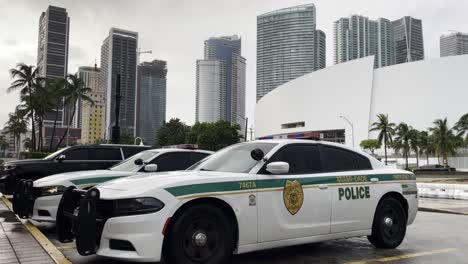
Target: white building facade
x=416 y=93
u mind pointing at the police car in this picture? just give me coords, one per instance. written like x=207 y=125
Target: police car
x=39 y=199
x=247 y=197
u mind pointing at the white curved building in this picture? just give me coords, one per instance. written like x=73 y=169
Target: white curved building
x=416 y=93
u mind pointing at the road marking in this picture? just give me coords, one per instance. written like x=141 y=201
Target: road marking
x=406 y=256
x=45 y=243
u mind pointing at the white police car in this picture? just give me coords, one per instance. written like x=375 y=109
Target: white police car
x=39 y=199
x=246 y=197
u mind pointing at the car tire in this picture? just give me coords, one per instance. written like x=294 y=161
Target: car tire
x=202 y=234
x=389 y=226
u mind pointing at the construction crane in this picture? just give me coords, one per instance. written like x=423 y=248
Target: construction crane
x=142 y=52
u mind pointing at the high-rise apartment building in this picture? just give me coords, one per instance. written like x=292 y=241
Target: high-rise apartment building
x=151 y=99
x=119 y=57
x=220 y=90
x=91 y=117
x=357 y=37
x=453 y=44
x=288 y=46
x=52 y=53
x=408 y=36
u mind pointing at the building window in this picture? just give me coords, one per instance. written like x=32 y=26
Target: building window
x=293 y=125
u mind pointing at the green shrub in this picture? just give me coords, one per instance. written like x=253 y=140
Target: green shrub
x=33 y=155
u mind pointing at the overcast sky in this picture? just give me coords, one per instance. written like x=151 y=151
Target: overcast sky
x=175 y=30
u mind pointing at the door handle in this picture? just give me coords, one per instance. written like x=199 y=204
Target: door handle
x=323 y=186
x=374 y=179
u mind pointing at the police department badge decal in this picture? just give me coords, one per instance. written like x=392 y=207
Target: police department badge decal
x=293 y=196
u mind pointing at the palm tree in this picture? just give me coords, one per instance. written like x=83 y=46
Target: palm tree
x=462 y=127
x=386 y=131
x=4 y=145
x=425 y=144
x=25 y=76
x=27 y=144
x=76 y=91
x=43 y=101
x=58 y=88
x=445 y=141
x=414 y=143
x=16 y=125
x=402 y=140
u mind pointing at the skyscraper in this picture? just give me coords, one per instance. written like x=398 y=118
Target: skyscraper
x=220 y=91
x=52 y=52
x=91 y=117
x=288 y=46
x=357 y=37
x=151 y=99
x=408 y=36
x=453 y=44
x=119 y=56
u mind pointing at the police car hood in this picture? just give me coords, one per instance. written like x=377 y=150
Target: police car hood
x=80 y=177
x=148 y=183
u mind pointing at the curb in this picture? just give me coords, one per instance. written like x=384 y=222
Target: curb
x=55 y=254
x=443 y=211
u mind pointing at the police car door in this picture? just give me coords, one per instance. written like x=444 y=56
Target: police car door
x=352 y=194
x=293 y=205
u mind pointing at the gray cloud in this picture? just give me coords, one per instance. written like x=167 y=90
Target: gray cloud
x=175 y=31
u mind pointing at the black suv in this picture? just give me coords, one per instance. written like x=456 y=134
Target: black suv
x=75 y=158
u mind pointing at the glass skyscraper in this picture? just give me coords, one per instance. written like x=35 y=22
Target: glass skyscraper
x=151 y=99
x=288 y=46
x=408 y=35
x=220 y=91
x=454 y=44
x=119 y=56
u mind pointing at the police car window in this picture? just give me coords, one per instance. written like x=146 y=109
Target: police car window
x=129 y=164
x=363 y=163
x=196 y=156
x=77 y=154
x=301 y=158
x=336 y=159
x=235 y=158
x=173 y=161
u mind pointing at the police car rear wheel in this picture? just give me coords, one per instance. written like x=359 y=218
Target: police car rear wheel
x=202 y=234
x=389 y=227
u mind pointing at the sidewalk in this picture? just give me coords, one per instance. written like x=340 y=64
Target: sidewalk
x=17 y=245
x=451 y=206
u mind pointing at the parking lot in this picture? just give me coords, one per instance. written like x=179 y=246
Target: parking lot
x=433 y=238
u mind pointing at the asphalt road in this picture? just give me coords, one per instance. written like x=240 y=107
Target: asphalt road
x=433 y=238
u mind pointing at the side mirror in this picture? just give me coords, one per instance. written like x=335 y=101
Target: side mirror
x=151 y=168
x=257 y=154
x=278 y=167
x=62 y=158
x=138 y=162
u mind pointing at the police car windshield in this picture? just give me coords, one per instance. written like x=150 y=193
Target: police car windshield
x=235 y=158
x=129 y=164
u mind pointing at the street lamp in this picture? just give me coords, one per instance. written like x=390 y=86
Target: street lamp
x=246 y=119
x=352 y=127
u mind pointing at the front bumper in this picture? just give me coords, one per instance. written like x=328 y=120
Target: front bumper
x=23 y=199
x=82 y=216
x=45 y=208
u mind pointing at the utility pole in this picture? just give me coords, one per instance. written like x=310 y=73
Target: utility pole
x=251 y=133
x=352 y=127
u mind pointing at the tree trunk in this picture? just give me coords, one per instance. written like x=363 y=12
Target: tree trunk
x=68 y=126
x=406 y=157
x=385 y=150
x=39 y=148
x=427 y=157
x=417 y=159
x=55 y=126
x=33 y=132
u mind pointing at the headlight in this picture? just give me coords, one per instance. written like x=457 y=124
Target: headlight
x=9 y=167
x=52 y=190
x=137 y=206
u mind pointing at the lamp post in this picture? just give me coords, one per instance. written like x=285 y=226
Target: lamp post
x=246 y=119
x=352 y=127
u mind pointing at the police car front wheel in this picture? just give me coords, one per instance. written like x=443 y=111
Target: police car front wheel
x=389 y=227
x=202 y=234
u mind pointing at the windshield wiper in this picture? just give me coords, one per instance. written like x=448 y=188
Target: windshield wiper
x=205 y=170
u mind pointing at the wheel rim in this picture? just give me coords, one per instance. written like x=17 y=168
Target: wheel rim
x=391 y=223
x=201 y=240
